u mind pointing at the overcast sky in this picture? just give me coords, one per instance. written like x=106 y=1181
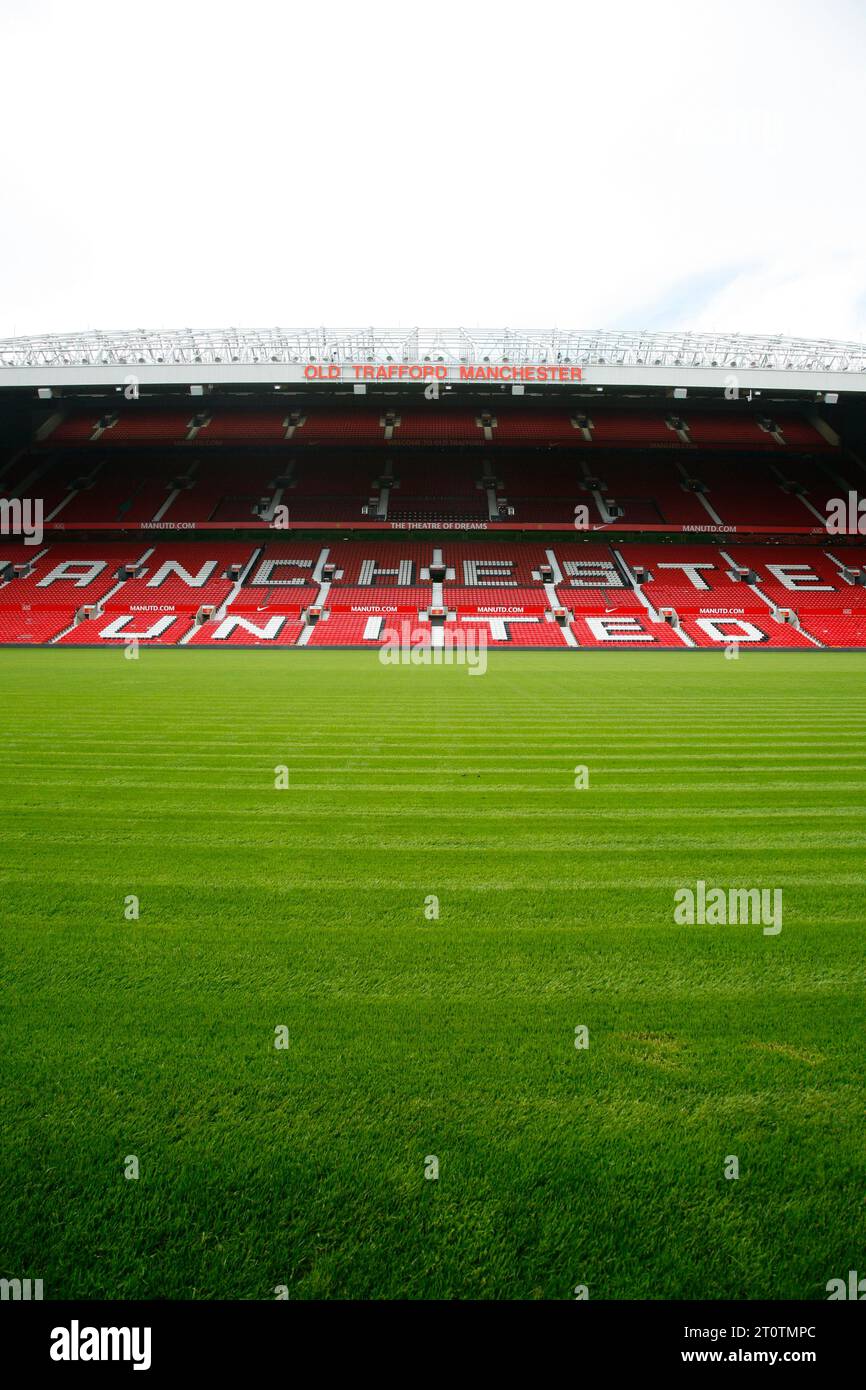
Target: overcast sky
x=216 y=163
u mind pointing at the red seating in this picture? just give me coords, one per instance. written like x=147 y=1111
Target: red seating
x=258 y=426
x=535 y=427
x=799 y=433
x=182 y=577
x=820 y=484
x=76 y=429
x=691 y=579
x=649 y=490
x=638 y=428
x=249 y=630
x=749 y=630
x=107 y=500
x=433 y=487
x=800 y=577
x=744 y=489
x=17 y=552
x=445 y=418
x=117 y=629
x=482 y=565
x=326 y=487
x=437 y=423
x=332 y=459
x=133 y=426
x=592 y=579
x=494 y=576
x=531 y=634
x=68 y=575
x=281 y=579
x=630 y=630
x=382 y=564
x=483 y=599
x=594 y=586
x=216 y=484
x=355 y=425
x=346 y=598
x=26 y=626
x=836 y=630
x=343 y=630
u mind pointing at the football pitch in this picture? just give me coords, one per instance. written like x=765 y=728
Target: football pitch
x=321 y=1030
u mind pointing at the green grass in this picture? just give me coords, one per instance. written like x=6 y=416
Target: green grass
x=411 y=1037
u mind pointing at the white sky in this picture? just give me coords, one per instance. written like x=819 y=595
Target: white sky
x=216 y=163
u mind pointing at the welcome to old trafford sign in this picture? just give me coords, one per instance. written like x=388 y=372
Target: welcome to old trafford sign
x=440 y=371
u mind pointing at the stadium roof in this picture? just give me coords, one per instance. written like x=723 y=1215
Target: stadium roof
x=276 y=355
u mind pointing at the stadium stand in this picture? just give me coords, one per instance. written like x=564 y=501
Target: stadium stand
x=281 y=579
x=184 y=577
x=443 y=462
x=838 y=630
x=494 y=576
x=68 y=575
x=248 y=630
x=623 y=630
x=325 y=487
x=754 y=629
x=23 y=626
x=753 y=485
x=445 y=420
x=690 y=579
x=342 y=630
x=376 y=574
x=118 y=629
x=429 y=488
x=801 y=577
x=603 y=595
